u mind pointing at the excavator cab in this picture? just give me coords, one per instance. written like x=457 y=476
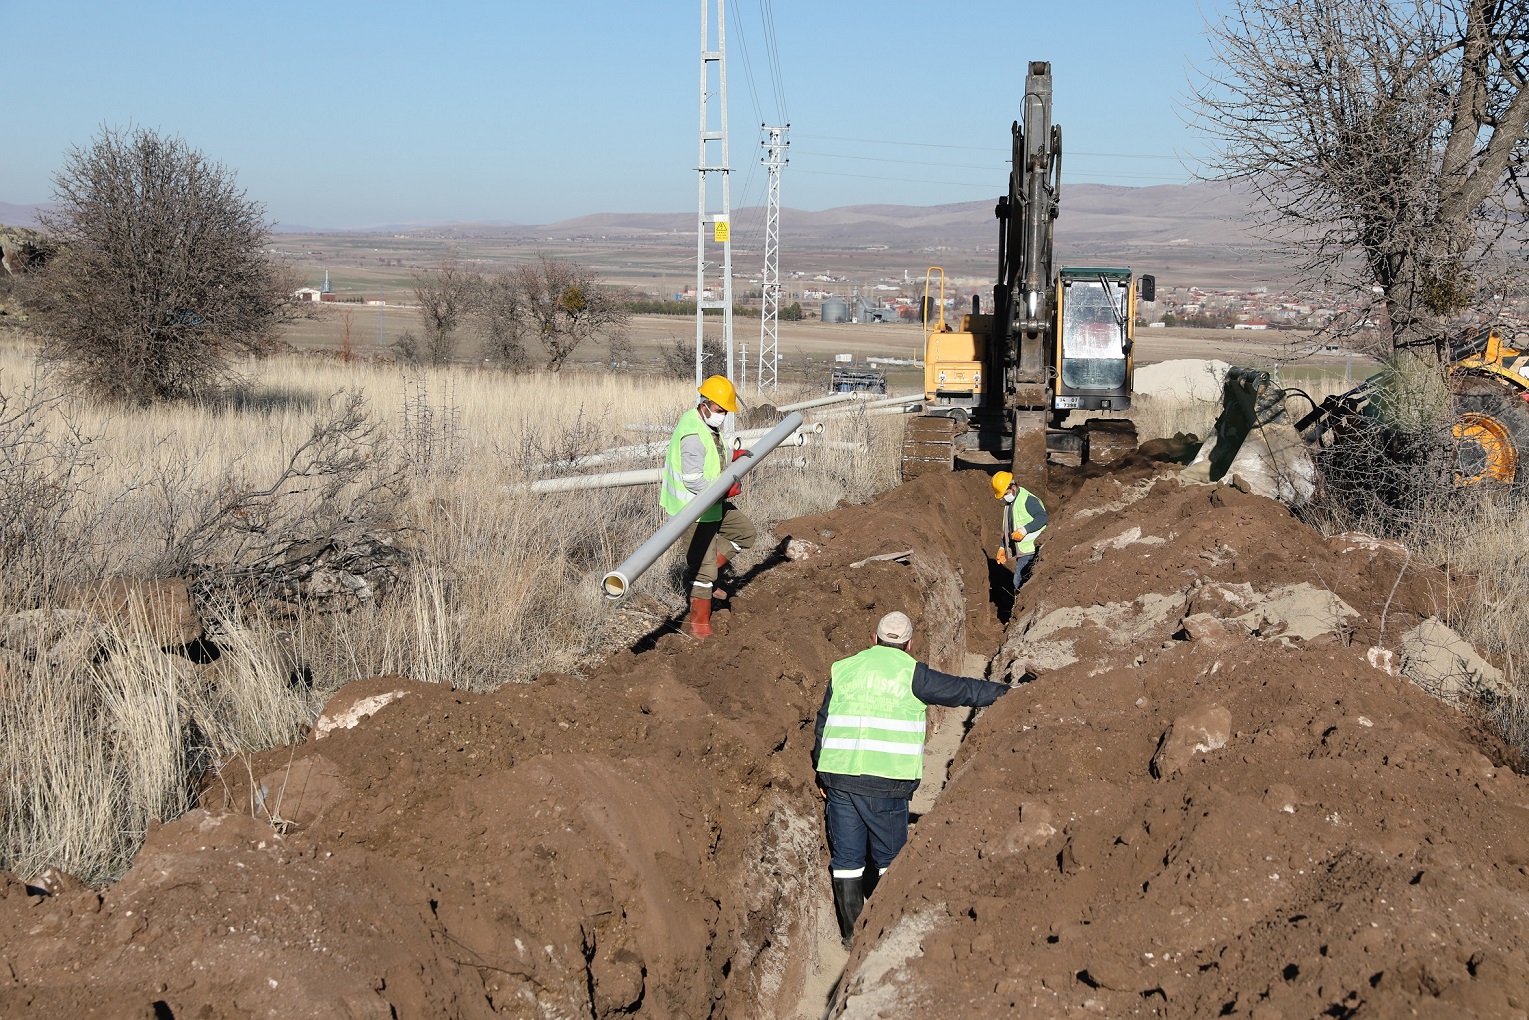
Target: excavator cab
x=1095 y=312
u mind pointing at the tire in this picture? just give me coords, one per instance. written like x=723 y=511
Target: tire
x=1491 y=436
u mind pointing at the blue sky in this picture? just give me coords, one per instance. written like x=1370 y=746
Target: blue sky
x=354 y=114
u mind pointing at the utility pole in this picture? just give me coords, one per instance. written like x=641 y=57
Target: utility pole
x=769 y=319
x=713 y=143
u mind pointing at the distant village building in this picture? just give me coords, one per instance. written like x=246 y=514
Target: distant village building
x=323 y=293
x=1252 y=324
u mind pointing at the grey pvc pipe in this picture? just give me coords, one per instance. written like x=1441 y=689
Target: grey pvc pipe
x=904 y=409
x=802 y=405
x=797 y=438
x=816 y=428
x=610 y=479
x=873 y=404
x=619 y=581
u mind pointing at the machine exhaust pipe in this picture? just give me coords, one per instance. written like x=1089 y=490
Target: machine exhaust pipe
x=619 y=581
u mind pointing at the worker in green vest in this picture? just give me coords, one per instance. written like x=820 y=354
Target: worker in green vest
x=869 y=755
x=694 y=460
x=1024 y=518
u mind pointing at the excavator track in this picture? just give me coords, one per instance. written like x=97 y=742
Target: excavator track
x=929 y=446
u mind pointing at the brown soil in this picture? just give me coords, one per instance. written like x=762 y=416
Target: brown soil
x=645 y=840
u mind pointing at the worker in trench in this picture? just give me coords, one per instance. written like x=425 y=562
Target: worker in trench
x=869 y=755
x=694 y=460
x=1024 y=518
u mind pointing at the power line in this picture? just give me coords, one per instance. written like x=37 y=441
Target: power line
x=995 y=186
x=984 y=148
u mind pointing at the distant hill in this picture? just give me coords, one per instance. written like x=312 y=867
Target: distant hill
x=1198 y=215
x=1093 y=216
x=20 y=215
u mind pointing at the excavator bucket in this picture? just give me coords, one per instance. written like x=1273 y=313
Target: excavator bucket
x=1252 y=445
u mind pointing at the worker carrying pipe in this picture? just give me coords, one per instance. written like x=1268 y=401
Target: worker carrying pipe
x=694 y=460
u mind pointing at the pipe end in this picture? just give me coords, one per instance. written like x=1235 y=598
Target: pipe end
x=615 y=586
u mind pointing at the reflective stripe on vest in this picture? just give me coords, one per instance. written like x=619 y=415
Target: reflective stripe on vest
x=1015 y=516
x=875 y=725
x=672 y=494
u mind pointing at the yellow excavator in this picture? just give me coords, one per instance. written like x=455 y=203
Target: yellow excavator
x=1055 y=342
x=1488 y=420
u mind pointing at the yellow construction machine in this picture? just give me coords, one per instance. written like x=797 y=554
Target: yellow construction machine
x=1487 y=441
x=1055 y=342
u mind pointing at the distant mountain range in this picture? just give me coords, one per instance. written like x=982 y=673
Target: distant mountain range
x=19 y=215
x=1095 y=218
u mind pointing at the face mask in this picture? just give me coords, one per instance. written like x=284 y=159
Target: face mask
x=1008 y=497
x=714 y=421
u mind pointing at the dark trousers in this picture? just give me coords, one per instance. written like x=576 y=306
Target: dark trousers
x=863 y=830
x=1021 y=566
x=704 y=539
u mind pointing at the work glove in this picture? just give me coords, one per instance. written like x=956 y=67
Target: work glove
x=737 y=489
x=1003 y=558
x=1018 y=534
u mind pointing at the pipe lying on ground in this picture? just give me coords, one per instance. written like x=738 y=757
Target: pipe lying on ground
x=619 y=581
x=839 y=412
x=816 y=429
x=904 y=409
x=798 y=438
x=610 y=479
x=802 y=405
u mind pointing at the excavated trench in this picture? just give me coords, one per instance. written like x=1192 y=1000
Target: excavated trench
x=1206 y=802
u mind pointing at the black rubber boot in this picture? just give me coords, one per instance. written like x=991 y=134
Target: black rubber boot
x=868 y=883
x=849 y=899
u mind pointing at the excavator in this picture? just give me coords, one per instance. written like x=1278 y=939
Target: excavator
x=1487 y=443
x=1055 y=342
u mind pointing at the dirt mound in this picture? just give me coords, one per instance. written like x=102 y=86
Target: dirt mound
x=1205 y=801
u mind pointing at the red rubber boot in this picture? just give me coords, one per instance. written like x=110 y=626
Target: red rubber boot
x=699 y=625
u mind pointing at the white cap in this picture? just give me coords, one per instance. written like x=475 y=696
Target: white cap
x=894 y=629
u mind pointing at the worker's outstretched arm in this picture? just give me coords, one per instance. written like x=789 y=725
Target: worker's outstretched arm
x=935 y=688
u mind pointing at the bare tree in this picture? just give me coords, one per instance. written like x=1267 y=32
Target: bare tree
x=161 y=276
x=498 y=320
x=563 y=305
x=444 y=295
x=1384 y=141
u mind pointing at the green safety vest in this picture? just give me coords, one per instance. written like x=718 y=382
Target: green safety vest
x=875 y=725
x=1015 y=516
x=673 y=495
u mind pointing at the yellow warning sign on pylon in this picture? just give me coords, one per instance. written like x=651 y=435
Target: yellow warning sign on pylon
x=719 y=230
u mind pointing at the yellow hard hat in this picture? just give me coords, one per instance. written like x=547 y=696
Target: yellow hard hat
x=1001 y=482
x=720 y=391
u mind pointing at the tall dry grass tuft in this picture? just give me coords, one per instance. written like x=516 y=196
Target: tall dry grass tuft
x=494 y=585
